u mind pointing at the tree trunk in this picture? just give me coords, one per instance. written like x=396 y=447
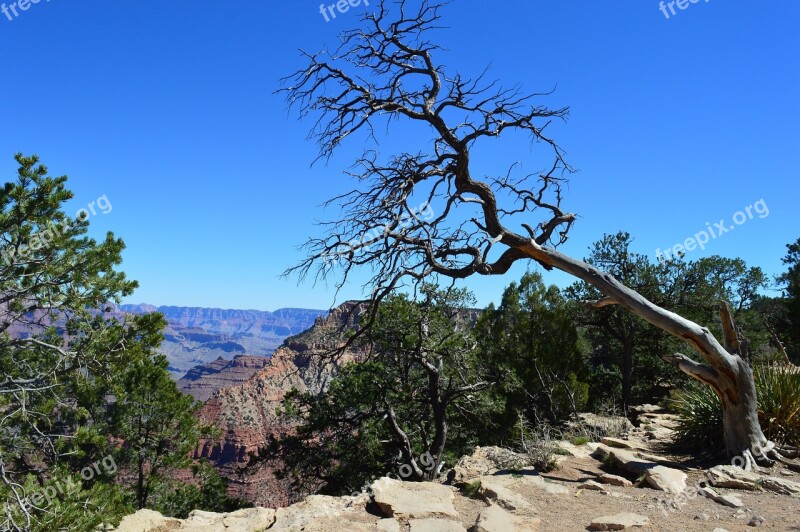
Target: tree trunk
x=724 y=370
x=740 y=415
x=439 y=439
x=140 y=496
x=627 y=374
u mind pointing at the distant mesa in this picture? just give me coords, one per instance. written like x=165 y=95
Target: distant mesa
x=197 y=335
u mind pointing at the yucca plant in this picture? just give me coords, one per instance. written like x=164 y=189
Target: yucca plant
x=699 y=417
x=700 y=412
x=779 y=403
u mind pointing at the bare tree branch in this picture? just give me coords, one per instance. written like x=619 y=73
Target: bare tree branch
x=425 y=212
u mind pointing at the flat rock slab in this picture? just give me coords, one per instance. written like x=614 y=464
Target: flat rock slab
x=614 y=480
x=413 y=500
x=388 y=525
x=531 y=477
x=623 y=459
x=723 y=499
x=496 y=519
x=600 y=426
x=199 y=521
x=618 y=443
x=620 y=521
x=146 y=520
x=498 y=490
x=323 y=513
x=659 y=433
x=578 y=451
x=593 y=486
x=435 y=525
x=646 y=409
x=733 y=477
x=781 y=486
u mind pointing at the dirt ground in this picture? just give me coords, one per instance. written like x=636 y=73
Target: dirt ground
x=576 y=511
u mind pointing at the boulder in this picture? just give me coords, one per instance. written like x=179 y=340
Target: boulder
x=486 y=461
x=666 y=479
x=620 y=521
x=657 y=476
x=600 y=426
x=496 y=519
x=413 y=500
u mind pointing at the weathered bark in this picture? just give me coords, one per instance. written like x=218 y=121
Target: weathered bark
x=439 y=440
x=743 y=435
x=724 y=370
x=627 y=374
x=439 y=407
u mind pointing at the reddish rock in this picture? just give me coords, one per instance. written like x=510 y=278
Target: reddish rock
x=202 y=381
x=247 y=413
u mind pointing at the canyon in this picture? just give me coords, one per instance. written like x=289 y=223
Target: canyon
x=196 y=336
x=247 y=413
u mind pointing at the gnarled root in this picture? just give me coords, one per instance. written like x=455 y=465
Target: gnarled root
x=780 y=455
x=789 y=452
x=750 y=462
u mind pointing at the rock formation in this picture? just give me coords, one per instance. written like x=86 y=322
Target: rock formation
x=498 y=492
x=202 y=381
x=246 y=414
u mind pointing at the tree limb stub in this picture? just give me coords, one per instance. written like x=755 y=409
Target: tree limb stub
x=701 y=372
x=730 y=338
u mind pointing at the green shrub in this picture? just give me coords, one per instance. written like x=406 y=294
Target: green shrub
x=471 y=490
x=700 y=412
x=579 y=440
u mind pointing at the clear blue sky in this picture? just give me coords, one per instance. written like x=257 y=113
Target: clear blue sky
x=166 y=108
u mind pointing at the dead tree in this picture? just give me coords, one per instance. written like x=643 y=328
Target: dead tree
x=424 y=212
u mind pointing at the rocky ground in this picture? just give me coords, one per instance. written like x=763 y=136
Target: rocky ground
x=615 y=484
